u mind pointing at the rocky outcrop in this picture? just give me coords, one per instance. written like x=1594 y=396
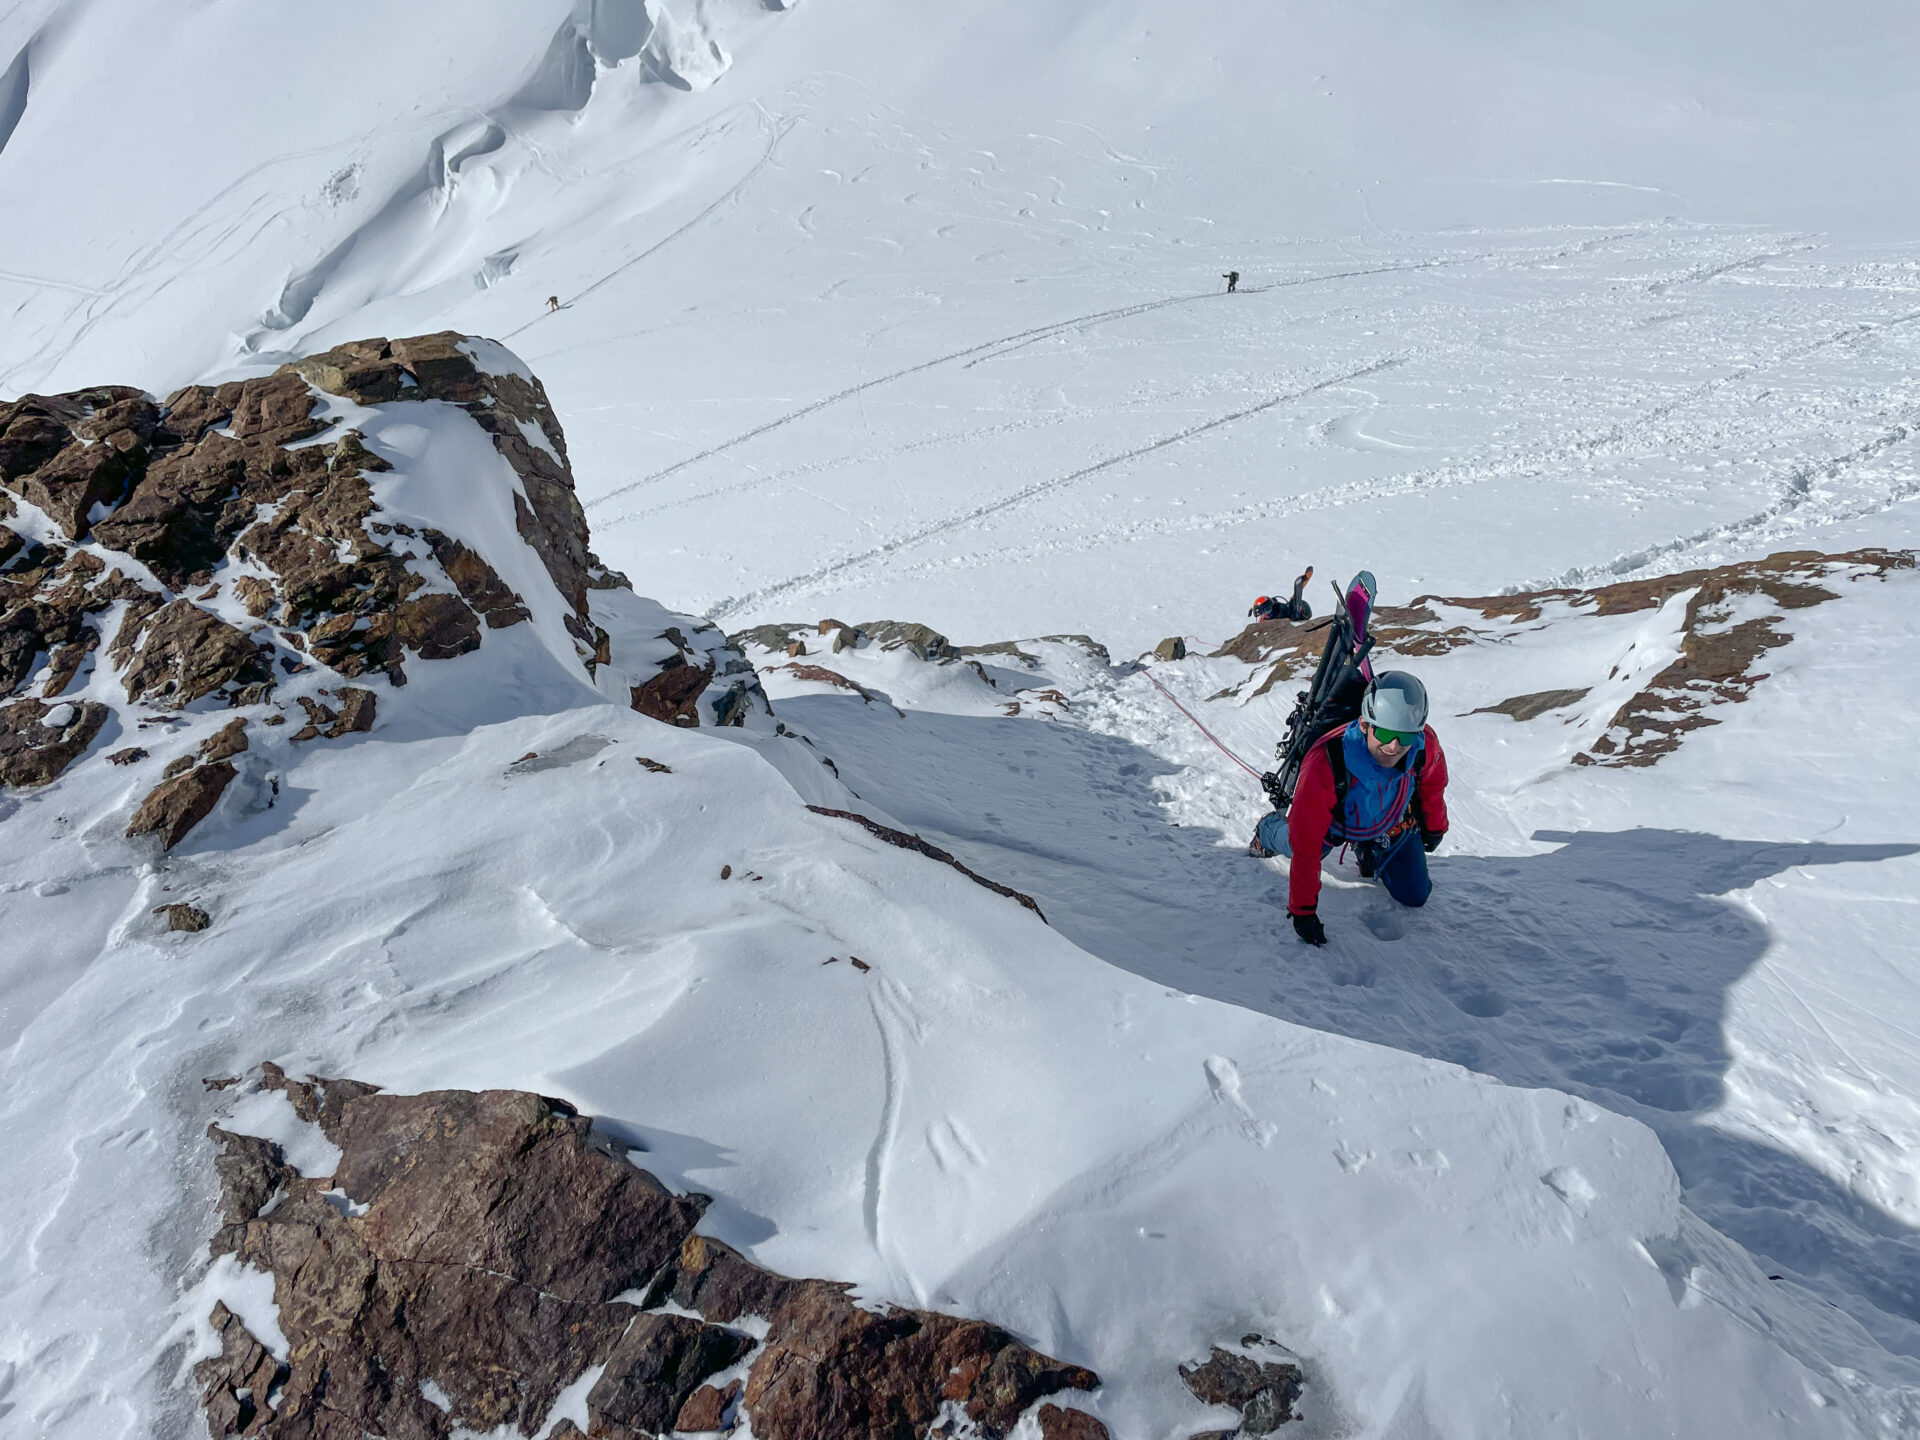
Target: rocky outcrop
x=38 y=740
x=1263 y=1391
x=477 y=1246
x=1734 y=615
x=510 y=405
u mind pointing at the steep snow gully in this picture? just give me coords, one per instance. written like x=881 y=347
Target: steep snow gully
x=1603 y=965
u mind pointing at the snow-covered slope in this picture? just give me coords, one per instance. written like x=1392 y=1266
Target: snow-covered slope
x=870 y=311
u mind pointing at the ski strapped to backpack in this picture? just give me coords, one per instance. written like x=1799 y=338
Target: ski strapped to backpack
x=1333 y=699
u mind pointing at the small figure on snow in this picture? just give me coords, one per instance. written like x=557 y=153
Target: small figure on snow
x=553 y=303
x=1294 y=607
x=1232 y=277
x=1378 y=784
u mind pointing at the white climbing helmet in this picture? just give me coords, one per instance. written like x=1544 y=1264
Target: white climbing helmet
x=1395 y=701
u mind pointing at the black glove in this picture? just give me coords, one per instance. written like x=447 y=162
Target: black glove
x=1430 y=840
x=1309 y=928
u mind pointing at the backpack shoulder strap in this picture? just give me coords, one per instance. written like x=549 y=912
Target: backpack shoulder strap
x=1337 y=760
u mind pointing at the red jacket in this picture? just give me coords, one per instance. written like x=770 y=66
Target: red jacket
x=1311 y=815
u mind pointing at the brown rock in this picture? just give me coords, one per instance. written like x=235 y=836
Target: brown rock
x=229 y=740
x=256 y=594
x=179 y=765
x=1171 y=648
x=277 y=408
x=190 y=918
x=236 y=1383
x=190 y=412
x=127 y=756
x=706 y=1409
x=438 y=367
x=1060 y=1424
x=70 y=453
x=174 y=807
x=439 y=627
x=831 y=1367
x=10 y=545
x=673 y=694
x=479 y=1247
x=357 y=708
x=33 y=753
x=478 y=583
x=1263 y=1393
x=656 y=1367
x=183 y=653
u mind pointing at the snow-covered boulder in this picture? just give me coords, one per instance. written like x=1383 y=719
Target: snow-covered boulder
x=365 y=514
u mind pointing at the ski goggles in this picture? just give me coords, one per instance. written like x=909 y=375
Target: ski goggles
x=1391 y=737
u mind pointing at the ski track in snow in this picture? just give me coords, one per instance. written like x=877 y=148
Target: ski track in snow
x=800 y=584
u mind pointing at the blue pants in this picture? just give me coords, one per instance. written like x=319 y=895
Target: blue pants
x=1402 y=870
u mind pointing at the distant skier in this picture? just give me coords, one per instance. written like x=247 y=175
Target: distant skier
x=1378 y=784
x=553 y=303
x=1294 y=607
x=1232 y=277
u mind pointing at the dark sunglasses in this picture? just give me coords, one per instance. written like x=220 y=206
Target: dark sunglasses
x=1391 y=737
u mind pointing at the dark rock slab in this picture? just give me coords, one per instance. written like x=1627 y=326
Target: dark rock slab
x=479 y=583
x=174 y=806
x=437 y=627
x=908 y=841
x=658 y=1365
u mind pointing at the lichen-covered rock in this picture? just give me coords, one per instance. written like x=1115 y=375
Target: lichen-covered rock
x=33 y=750
x=174 y=806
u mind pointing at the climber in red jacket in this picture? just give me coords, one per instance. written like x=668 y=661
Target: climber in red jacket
x=1378 y=784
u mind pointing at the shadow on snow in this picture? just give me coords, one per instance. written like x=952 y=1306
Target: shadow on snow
x=1601 y=967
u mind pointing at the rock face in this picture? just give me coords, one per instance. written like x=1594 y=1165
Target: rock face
x=478 y=1243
